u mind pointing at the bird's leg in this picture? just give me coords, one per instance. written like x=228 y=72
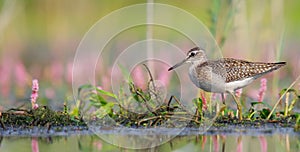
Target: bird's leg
x=223 y=98
x=239 y=106
x=224 y=104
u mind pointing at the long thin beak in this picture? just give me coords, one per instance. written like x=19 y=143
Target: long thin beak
x=177 y=65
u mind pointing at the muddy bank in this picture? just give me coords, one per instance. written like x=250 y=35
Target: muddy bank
x=215 y=129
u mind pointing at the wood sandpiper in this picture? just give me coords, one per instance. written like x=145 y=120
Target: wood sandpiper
x=224 y=75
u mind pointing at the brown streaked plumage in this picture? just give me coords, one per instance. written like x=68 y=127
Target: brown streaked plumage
x=225 y=74
x=240 y=69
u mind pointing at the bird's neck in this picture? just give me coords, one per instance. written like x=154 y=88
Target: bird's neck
x=199 y=62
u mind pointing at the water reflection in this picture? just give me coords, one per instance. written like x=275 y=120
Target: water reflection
x=213 y=143
x=34 y=144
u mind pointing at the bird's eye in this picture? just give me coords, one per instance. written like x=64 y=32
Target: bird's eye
x=192 y=54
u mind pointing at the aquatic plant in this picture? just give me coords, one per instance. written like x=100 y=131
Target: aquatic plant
x=34 y=94
x=282 y=94
x=262 y=89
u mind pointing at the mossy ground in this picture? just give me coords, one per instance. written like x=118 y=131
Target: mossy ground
x=47 y=118
x=42 y=117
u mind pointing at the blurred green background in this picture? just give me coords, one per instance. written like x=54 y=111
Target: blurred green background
x=38 y=39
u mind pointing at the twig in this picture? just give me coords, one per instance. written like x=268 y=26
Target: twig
x=169 y=102
x=154 y=91
x=145 y=101
x=150 y=75
x=184 y=118
x=17 y=109
x=134 y=90
x=149 y=118
x=182 y=106
x=177 y=113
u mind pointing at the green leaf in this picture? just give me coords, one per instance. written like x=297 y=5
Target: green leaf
x=297 y=119
x=85 y=86
x=125 y=73
x=251 y=115
x=75 y=112
x=197 y=102
x=104 y=110
x=263 y=103
x=264 y=113
x=106 y=93
x=97 y=98
x=290 y=90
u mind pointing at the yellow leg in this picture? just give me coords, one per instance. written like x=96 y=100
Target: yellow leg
x=224 y=104
x=239 y=106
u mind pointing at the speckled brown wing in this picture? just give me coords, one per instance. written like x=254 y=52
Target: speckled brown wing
x=235 y=69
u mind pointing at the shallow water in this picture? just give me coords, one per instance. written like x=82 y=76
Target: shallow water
x=155 y=139
x=76 y=143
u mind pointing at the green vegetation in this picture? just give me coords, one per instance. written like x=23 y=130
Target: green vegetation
x=95 y=105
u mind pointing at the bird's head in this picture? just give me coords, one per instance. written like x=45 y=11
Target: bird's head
x=195 y=55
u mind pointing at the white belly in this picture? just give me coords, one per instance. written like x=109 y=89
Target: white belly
x=232 y=86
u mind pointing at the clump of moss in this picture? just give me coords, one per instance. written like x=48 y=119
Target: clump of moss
x=42 y=116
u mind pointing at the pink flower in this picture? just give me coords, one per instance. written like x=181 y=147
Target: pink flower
x=204 y=101
x=164 y=77
x=262 y=90
x=98 y=87
x=68 y=75
x=56 y=72
x=214 y=96
x=34 y=93
x=5 y=78
x=35 y=106
x=106 y=84
x=50 y=93
x=139 y=77
x=225 y=96
x=238 y=92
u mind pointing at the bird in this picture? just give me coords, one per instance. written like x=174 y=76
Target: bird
x=224 y=75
